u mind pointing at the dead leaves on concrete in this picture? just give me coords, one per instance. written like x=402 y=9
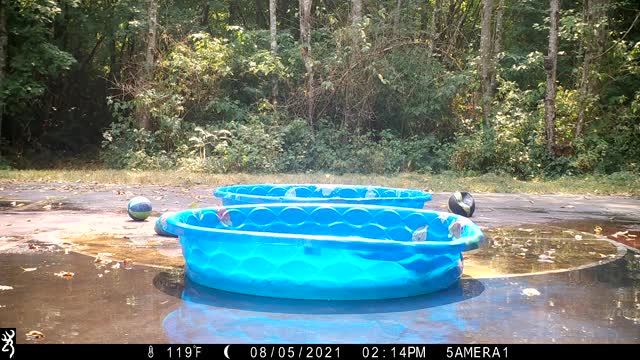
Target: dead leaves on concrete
x=34 y=335
x=65 y=274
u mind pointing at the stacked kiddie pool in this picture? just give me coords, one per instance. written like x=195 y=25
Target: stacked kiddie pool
x=323 y=194
x=338 y=248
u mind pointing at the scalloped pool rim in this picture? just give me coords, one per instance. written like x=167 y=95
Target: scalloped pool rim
x=230 y=196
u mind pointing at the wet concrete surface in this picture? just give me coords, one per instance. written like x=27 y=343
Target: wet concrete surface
x=128 y=285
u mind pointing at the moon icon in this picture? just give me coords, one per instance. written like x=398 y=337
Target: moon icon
x=226 y=351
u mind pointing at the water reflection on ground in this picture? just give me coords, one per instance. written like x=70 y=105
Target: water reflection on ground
x=116 y=302
x=598 y=304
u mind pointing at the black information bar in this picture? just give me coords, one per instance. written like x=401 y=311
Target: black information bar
x=319 y=351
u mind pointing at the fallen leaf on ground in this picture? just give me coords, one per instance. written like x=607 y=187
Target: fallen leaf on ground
x=34 y=335
x=101 y=262
x=597 y=230
x=5 y=287
x=530 y=292
x=65 y=274
x=620 y=233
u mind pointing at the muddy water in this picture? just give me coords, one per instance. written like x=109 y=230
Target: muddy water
x=619 y=229
x=536 y=249
x=155 y=251
x=116 y=302
x=99 y=303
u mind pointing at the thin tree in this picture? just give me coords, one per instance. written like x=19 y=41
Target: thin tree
x=356 y=11
x=274 y=48
x=485 y=61
x=305 y=40
x=145 y=118
x=260 y=19
x=3 y=56
x=594 y=36
x=396 y=18
x=550 y=64
x=434 y=25
x=204 y=20
x=497 y=41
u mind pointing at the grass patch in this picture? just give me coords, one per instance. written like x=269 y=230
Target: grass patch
x=627 y=184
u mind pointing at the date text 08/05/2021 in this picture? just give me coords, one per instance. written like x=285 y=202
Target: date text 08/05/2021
x=377 y=352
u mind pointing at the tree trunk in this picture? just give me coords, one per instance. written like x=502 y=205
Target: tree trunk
x=233 y=12
x=594 y=13
x=434 y=25
x=3 y=57
x=396 y=18
x=453 y=40
x=550 y=64
x=204 y=20
x=145 y=118
x=485 y=59
x=497 y=42
x=274 y=49
x=260 y=20
x=305 y=40
x=356 y=11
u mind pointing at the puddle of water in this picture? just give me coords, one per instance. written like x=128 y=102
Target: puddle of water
x=535 y=249
x=146 y=305
x=626 y=230
x=95 y=305
x=13 y=203
x=176 y=284
x=154 y=251
x=506 y=252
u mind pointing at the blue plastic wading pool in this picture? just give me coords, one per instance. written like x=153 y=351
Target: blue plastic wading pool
x=323 y=251
x=322 y=193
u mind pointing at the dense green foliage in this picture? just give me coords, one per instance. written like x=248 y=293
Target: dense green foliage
x=386 y=98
